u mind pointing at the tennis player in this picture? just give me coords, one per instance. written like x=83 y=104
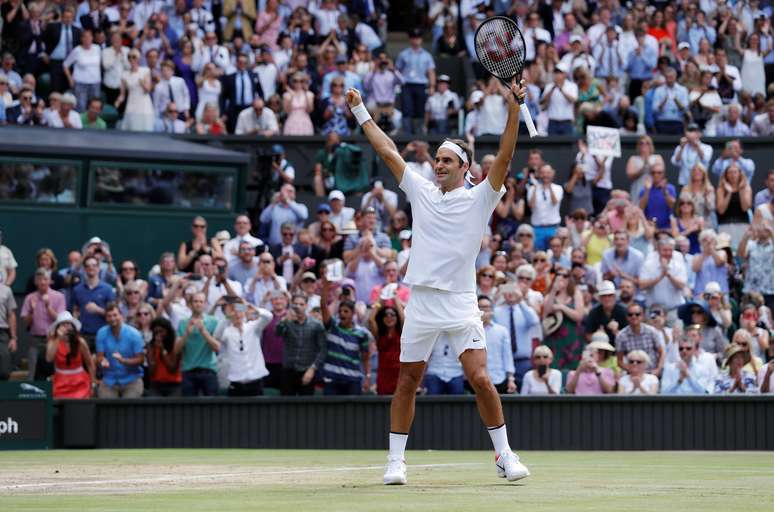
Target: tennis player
x=449 y=223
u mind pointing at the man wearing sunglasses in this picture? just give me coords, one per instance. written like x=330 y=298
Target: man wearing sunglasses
x=686 y=376
x=639 y=336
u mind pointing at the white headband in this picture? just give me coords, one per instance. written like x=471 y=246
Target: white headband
x=456 y=149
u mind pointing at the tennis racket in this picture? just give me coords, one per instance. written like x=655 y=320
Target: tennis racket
x=501 y=50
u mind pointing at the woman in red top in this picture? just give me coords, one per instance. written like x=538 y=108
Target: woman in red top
x=386 y=324
x=163 y=364
x=69 y=353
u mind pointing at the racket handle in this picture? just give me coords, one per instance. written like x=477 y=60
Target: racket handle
x=528 y=120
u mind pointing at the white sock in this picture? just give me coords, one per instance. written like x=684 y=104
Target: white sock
x=398 y=445
x=499 y=437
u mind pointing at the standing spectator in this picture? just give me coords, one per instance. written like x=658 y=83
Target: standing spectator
x=639 y=337
x=163 y=362
x=635 y=381
x=385 y=202
x=244 y=267
x=136 y=86
x=340 y=215
x=289 y=252
x=441 y=108
x=663 y=277
x=272 y=344
x=753 y=73
x=417 y=67
x=115 y=60
x=380 y=86
x=621 y=261
x=700 y=192
x=687 y=224
x=283 y=209
x=120 y=354
x=563 y=310
x=638 y=166
x=59 y=39
x=240 y=340
x=544 y=199
x=8 y=340
x=763 y=124
x=239 y=91
x=542 y=379
x=365 y=266
x=734 y=201
x=757 y=248
x=335 y=113
x=498 y=350
x=732 y=153
x=591 y=378
x=386 y=325
x=558 y=99
x=190 y=251
x=670 y=105
x=608 y=315
x=348 y=78
x=765 y=375
x=171 y=89
x=298 y=103
x=689 y=152
x=764 y=197
x=7 y=264
x=304 y=351
x=657 y=197
x=260 y=289
x=39 y=310
x=640 y=64
x=709 y=264
x=734 y=378
x=90 y=299
x=346 y=368
x=69 y=353
x=86 y=77
x=198 y=346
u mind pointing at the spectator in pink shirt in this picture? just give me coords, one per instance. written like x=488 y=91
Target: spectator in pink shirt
x=590 y=378
x=390 y=277
x=766 y=377
x=38 y=312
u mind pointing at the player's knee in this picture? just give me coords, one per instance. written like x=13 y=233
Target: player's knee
x=479 y=380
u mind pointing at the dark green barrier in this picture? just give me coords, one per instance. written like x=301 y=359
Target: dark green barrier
x=26 y=420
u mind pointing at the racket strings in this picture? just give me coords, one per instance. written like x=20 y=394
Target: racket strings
x=500 y=48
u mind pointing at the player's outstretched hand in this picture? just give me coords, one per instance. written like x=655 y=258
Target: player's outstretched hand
x=519 y=90
x=353 y=98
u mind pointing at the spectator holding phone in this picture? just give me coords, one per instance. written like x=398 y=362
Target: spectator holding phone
x=305 y=348
x=542 y=379
x=163 y=363
x=264 y=283
x=591 y=378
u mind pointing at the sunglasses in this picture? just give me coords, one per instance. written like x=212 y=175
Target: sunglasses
x=266 y=261
x=199 y=226
x=750 y=316
x=636 y=361
x=524 y=278
x=562 y=274
x=390 y=313
x=487 y=275
x=540 y=260
x=686 y=349
x=132 y=292
x=633 y=314
x=525 y=234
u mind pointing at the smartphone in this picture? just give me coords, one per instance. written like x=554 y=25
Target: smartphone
x=542 y=369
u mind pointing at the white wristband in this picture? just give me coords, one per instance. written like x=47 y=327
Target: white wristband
x=361 y=113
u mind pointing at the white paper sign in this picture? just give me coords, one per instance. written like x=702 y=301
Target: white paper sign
x=603 y=141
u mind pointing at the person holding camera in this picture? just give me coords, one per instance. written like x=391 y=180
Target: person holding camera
x=217 y=284
x=240 y=338
x=542 y=379
x=283 y=210
x=380 y=89
x=305 y=349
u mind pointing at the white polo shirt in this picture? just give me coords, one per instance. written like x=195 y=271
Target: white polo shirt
x=559 y=109
x=664 y=291
x=243 y=349
x=447 y=231
x=545 y=213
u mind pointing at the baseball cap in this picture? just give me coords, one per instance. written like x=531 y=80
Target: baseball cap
x=444 y=78
x=277 y=149
x=405 y=234
x=683 y=46
x=336 y=194
x=562 y=66
x=606 y=288
x=575 y=38
x=94 y=240
x=415 y=32
x=324 y=207
x=476 y=96
x=341 y=59
x=308 y=275
x=693 y=127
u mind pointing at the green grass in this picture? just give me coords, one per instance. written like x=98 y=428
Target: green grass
x=285 y=480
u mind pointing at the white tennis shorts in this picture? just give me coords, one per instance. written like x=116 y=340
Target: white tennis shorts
x=431 y=313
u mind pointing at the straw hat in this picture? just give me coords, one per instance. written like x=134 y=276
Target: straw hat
x=734 y=349
x=552 y=322
x=63 y=318
x=600 y=341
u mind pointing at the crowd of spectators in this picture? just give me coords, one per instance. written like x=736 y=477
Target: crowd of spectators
x=282 y=66
x=663 y=288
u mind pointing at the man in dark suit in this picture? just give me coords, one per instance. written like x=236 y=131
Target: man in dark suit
x=25 y=111
x=289 y=254
x=59 y=39
x=29 y=36
x=97 y=18
x=239 y=90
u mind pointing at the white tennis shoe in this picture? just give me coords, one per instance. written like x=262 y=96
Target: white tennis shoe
x=509 y=467
x=396 y=472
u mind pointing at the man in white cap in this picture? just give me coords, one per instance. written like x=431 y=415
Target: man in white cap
x=558 y=99
x=340 y=215
x=608 y=314
x=441 y=107
x=578 y=57
x=472 y=124
x=449 y=223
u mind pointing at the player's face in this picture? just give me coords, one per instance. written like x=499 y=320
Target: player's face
x=448 y=171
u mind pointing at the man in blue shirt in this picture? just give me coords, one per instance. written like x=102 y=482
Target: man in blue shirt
x=120 y=356
x=282 y=209
x=517 y=317
x=351 y=80
x=89 y=300
x=499 y=356
x=657 y=198
x=621 y=261
x=418 y=69
x=732 y=154
x=640 y=64
x=670 y=102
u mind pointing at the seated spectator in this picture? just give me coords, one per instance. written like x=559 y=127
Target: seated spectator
x=765 y=378
x=305 y=349
x=120 y=355
x=757 y=337
x=638 y=165
x=563 y=310
x=657 y=197
x=346 y=369
x=91 y=118
x=763 y=124
x=733 y=126
x=582 y=273
x=542 y=379
x=210 y=121
x=259 y=289
x=70 y=354
x=239 y=334
x=687 y=223
x=163 y=363
x=335 y=112
x=608 y=315
x=636 y=381
x=640 y=337
x=709 y=264
x=701 y=193
x=368 y=228
x=756 y=248
x=391 y=274
x=734 y=379
x=385 y=202
x=597 y=240
x=591 y=378
x=257 y=119
x=245 y=267
x=198 y=346
x=766 y=195
x=216 y=282
x=366 y=267
x=697 y=315
x=621 y=261
x=686 y=376
x=65 y=116
x=734 y=202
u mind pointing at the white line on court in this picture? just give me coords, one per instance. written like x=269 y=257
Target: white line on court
x=180 y=478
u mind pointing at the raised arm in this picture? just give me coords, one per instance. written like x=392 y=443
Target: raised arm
x=382 y=144
x=499 y=169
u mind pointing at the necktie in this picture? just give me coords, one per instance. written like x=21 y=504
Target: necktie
x=512 y=323
x=610 y=70
x=68 y=41
x=242 y=91
x=171 y=93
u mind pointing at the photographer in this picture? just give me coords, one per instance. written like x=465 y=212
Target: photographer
x=380 y=90
x=100 y=249
x=542 y=379
x=304 y=351
x=217 y=284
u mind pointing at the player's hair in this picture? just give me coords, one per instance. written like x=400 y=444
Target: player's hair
x=464 y=145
